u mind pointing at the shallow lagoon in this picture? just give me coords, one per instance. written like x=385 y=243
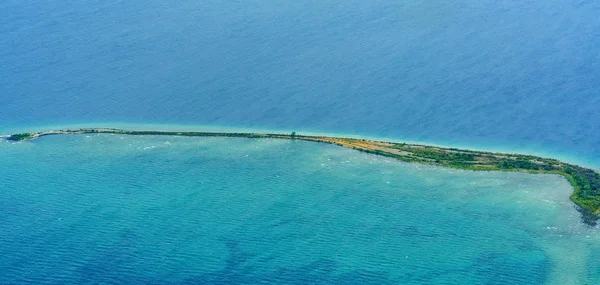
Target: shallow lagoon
x=105 y=208
x=497 y=75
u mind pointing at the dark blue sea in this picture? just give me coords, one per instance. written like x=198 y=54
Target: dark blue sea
x=516 y=76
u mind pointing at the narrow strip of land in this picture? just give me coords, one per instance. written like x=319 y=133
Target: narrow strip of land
x=585 y=181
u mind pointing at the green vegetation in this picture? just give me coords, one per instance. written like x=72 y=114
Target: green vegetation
x=586 y=182
x=20 y=137
x=433 y=153
x=587 y=190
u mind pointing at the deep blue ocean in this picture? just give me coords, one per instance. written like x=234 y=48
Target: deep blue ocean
x=517 y=76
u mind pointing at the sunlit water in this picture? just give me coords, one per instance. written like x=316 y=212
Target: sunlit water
x=506 y=75
x=520 y=76
x=154 y=210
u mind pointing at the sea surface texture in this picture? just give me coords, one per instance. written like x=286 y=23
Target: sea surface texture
x=506 y=75
x=519 y=76
x=107 y=209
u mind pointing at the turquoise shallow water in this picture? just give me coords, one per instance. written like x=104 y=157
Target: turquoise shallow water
x=103 y=209
x=519 y=76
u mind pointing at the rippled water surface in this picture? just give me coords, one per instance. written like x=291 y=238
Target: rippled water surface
x=508 y=75
x=155 y=210
x=519 y=76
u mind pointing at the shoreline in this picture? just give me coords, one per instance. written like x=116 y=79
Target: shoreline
x=585 y=181
x=541 y=151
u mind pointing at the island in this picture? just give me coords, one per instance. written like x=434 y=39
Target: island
x=585 y=181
